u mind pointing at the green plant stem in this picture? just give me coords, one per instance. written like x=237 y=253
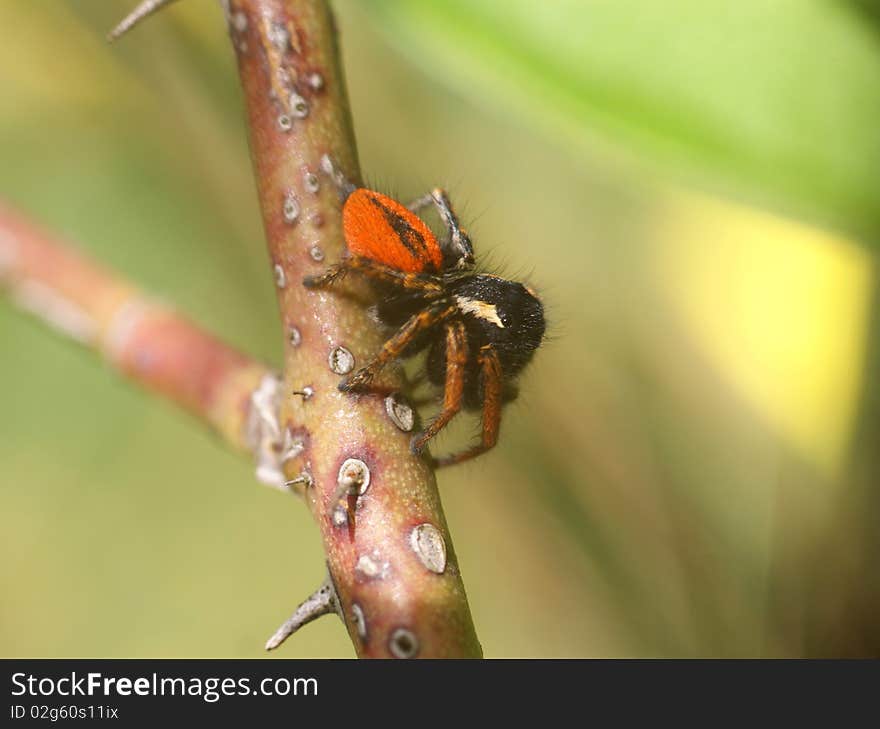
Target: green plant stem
x=389 y=552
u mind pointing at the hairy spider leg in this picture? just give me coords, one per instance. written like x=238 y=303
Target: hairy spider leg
x=344 y=186
x=459 y=244
x=395 y=346
x=456 y=359
x=378 y=272
x=490 y=368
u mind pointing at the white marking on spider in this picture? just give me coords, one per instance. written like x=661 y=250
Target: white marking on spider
x=480 y=309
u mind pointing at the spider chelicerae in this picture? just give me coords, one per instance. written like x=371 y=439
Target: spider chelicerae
x=479 y=330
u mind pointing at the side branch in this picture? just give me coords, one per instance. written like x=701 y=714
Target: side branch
x=143 y=339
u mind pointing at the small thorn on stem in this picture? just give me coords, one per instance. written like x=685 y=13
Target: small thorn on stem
x=142 y=11
x=400 y=412
x=321 y=602
x=304 y=479
x=352 y=481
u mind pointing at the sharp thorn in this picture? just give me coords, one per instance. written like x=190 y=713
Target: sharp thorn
x=143 y=10
x=321 y=602
x=304 y=478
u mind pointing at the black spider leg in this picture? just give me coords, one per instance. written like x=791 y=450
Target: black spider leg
x=457 y=247
x=344 y=186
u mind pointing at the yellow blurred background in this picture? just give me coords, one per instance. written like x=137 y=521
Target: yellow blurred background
x=690 y=469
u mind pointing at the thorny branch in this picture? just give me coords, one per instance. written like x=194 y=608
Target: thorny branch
x=389 y=553
x=392 y=572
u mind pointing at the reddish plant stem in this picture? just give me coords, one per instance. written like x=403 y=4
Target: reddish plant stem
x=144 y=340
x=390 y=555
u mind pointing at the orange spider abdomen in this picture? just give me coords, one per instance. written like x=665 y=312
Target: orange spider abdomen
x=381 y=229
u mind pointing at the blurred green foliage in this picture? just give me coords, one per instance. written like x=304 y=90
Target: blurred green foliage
x=772 y=101
x=646 y=497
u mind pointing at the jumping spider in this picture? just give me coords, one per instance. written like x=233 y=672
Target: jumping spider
x=480 y=330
